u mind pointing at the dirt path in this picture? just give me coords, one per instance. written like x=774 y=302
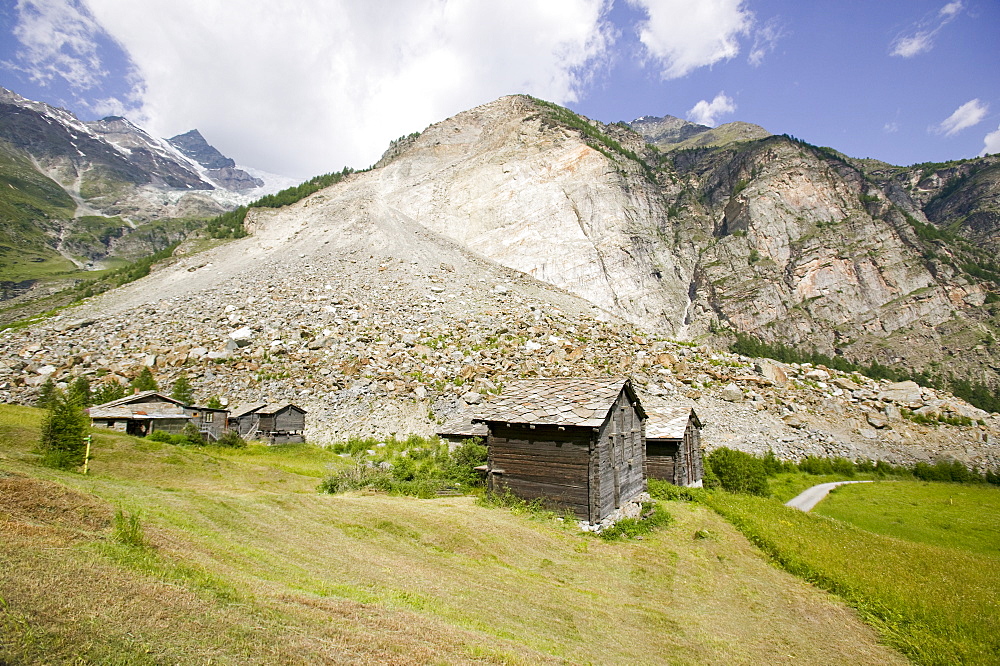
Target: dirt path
x=810 y=497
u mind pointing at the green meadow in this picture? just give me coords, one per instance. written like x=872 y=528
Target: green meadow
x=195 y=555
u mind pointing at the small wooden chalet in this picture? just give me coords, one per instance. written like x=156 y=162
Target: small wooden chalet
x=673 y=446
x=278 y=424
x=576 y=442
x=142 y=413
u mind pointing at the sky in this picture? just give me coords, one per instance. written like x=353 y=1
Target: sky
x=305 y=87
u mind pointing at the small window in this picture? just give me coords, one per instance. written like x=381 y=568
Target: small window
x=209 y=416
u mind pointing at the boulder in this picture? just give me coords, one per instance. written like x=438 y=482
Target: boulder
x=877 y=420
x=731 y=393
x=905 y=393
x=775 y=372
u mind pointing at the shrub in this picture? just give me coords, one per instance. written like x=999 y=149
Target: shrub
x=739 y=472
x=232 y=439
x=462 y=462
x=160 y=436
x=817 y=466
x=191 y=435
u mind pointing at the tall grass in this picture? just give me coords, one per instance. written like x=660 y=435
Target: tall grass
x=936 y=604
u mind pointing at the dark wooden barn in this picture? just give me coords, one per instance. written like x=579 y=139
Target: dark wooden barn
x=578 y=443
x=278 y=424
x=673 y=446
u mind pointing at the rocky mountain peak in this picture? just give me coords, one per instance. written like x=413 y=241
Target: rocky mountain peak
x=666 y=129
x=193 y=145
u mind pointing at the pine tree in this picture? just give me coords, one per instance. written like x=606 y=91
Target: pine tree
x=46 y=393
x=64 y=431
x=107 y=392
x=144 y=381
x=79 y=390
x=214 y=402
x=182 y=390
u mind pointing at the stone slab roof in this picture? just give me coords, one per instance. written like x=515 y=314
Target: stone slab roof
x=243 y=410
x=274 y=409
x=570 y=402
x=136 y=397
x=461 y=425
x=124 y=413
x=668 y=422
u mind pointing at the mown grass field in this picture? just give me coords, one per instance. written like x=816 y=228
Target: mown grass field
x=244 y=562
x=918 y=560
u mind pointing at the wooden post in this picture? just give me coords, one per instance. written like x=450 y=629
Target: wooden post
x=86 y=455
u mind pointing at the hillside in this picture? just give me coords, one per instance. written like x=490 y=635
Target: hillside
x=356 y=305
x=246 y=563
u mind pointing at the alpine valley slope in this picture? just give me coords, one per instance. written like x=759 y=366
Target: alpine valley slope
x=381 y=306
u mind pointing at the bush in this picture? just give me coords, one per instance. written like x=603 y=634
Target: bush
x=191 y=435
x=160 y=436
x=816 y=466
x=739 y=472
x=232 y=439
x=463 y=461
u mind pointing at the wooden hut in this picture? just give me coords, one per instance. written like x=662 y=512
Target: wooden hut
x=278 y=424
x=141 y=413
x=578 y=443
x=212 y=422
x=673 y=446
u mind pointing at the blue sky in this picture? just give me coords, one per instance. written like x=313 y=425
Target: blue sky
x=307 y=87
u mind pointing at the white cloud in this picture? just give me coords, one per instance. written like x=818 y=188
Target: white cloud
x=991 y=144
x=969 y=114
x=952 y=8
x=765 y=39
x=705 y=113
x=920 y=37
x=58 y=39
x=912 y=45
x=682 y=36
x=307 y=88
x=891 y=127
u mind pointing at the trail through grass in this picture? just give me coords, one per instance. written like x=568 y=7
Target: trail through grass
x=937 y=603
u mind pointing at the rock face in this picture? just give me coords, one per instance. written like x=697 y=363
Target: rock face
x=773 y=237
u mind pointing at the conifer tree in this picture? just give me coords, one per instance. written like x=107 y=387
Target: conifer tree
x=79 y=390
x=144 y=381
x=46 y=394
x=182 y=390
x=64 y=431
x=107 y=392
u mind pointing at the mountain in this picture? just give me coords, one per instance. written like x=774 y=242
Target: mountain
x=221 y=169
x=77 y=196
x=517 y=239
x=670 y=133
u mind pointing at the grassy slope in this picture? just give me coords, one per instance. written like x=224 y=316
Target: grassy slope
x=249 y=564
x=932 y=592
x=27 y=198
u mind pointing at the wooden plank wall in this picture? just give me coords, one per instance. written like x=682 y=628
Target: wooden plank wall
x=621 y=458
x=289 y=420
x=542 y=462
x=660 y=459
